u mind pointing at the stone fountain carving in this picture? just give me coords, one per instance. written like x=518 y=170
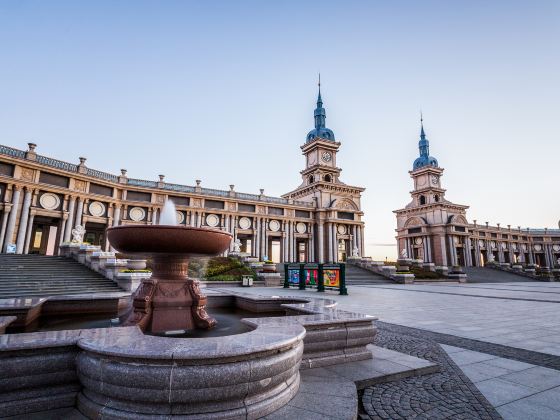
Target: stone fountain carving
x=169 y=300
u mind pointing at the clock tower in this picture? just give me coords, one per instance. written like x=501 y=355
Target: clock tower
x=430 y=227
x=338 y=210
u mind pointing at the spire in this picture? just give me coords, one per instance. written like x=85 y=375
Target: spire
x=424 y=147
x=320 y=114
x=422 y=134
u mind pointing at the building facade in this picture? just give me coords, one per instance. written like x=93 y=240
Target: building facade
x=43 y=199
x=436 y=230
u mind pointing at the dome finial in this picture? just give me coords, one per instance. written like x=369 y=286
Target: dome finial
x=422 y=134
x=319 y=100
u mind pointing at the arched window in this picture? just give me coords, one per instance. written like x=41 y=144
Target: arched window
x=328 y=178
x=436 y=198
x=311 y=179
x=422 y=200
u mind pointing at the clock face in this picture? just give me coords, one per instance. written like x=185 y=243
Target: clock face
x=435 y=179
x=326 y=156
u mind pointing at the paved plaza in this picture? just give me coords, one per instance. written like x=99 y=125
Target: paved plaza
x=503 y=337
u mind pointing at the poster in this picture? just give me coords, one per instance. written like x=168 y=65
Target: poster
x=331 y=278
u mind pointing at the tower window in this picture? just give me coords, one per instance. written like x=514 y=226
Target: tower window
x=436 y=198
x=422 y=200
x=311 y=179
x=328 y=178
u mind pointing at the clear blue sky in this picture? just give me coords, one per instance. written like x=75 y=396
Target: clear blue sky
x=225 y=91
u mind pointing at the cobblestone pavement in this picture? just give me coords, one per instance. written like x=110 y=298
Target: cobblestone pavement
x=446 y=394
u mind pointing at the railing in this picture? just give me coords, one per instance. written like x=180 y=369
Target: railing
x=5 y=150
x=102 y=175
x=142 y=183
x=70 y=167
x=178 y=187
x=58 y=164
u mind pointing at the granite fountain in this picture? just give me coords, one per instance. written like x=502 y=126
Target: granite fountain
x=138 y=370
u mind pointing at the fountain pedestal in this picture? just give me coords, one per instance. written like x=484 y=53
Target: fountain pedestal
x=169 y=300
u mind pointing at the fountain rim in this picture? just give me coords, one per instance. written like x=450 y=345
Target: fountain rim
x=173 y=227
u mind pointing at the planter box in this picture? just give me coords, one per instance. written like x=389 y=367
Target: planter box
x=131 y=281
x=429 y=267
x=404 y=278
x=460 y=277
x=271 y=279
x=136 y=264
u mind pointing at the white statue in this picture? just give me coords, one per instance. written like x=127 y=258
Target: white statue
x=237 y=245
x=78 y=234
x=355 y=252
x=404 y=254
x=491 y=258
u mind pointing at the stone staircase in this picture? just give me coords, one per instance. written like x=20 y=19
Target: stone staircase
x=41 y=276
x=489 y=275
x=357 y=276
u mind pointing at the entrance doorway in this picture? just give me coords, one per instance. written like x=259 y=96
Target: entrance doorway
x=274 y=250
x=95 y=234
x=44 y=236
x=342 y=250
x=483 y=258
x=460 y=256
x=302 y=251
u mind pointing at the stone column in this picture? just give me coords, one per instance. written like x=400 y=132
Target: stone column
x=7 y=209
x=430 y=257
x=13 y=216
x=23 y=219
x=28 y=232
x=311 y=242
x=334 y=243
x=359 y=240
x=117 y=215
x=257 y=232
x=79 y=211
x=70 y=221
x=363 y=241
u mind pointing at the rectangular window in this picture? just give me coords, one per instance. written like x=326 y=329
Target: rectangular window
x=481 y=234
x=459 y=229
x=138 y=196
x=302 y=213
x=345 y=215
x=494 y=235
x=277 y=211
x=514 y=237
x=52 y=179
x=538 y=239
x=100 y=189
x=6 y=169
x=180 y=201
x=505 y=236
x=214 y=204
x=247 y=208
x=415 y=230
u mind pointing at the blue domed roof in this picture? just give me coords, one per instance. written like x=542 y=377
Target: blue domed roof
x=323 y=132
x=320 y=116
x=424 y=147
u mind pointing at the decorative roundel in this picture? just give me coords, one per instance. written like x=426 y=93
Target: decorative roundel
x=481 y=243
x=180 y=217
x=212 y=220
x=418 y=241
x=274 y=225
x=504 y=245
x=49 y=201
x=341 y=229
x=556 y=248
x=493 y=245
x=137 y=214
x=245 y=223
x=537 y=247
x=301 y=228
x=96 y=208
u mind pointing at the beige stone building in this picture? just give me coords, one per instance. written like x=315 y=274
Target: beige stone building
x=43 y=199
x=436 y=230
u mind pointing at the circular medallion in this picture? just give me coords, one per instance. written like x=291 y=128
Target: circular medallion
x=341 y=229
x=537 y=247
x=245 y=223
x=180 y=217
x=274 y=225
x=137 y=214
x=212 y=220
x=418 y=241
x=49 y=201
x=96 y=208
x=481 y=243
x=301 y=228
x=504 y=245
x=556 y=248
x=493 y=245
